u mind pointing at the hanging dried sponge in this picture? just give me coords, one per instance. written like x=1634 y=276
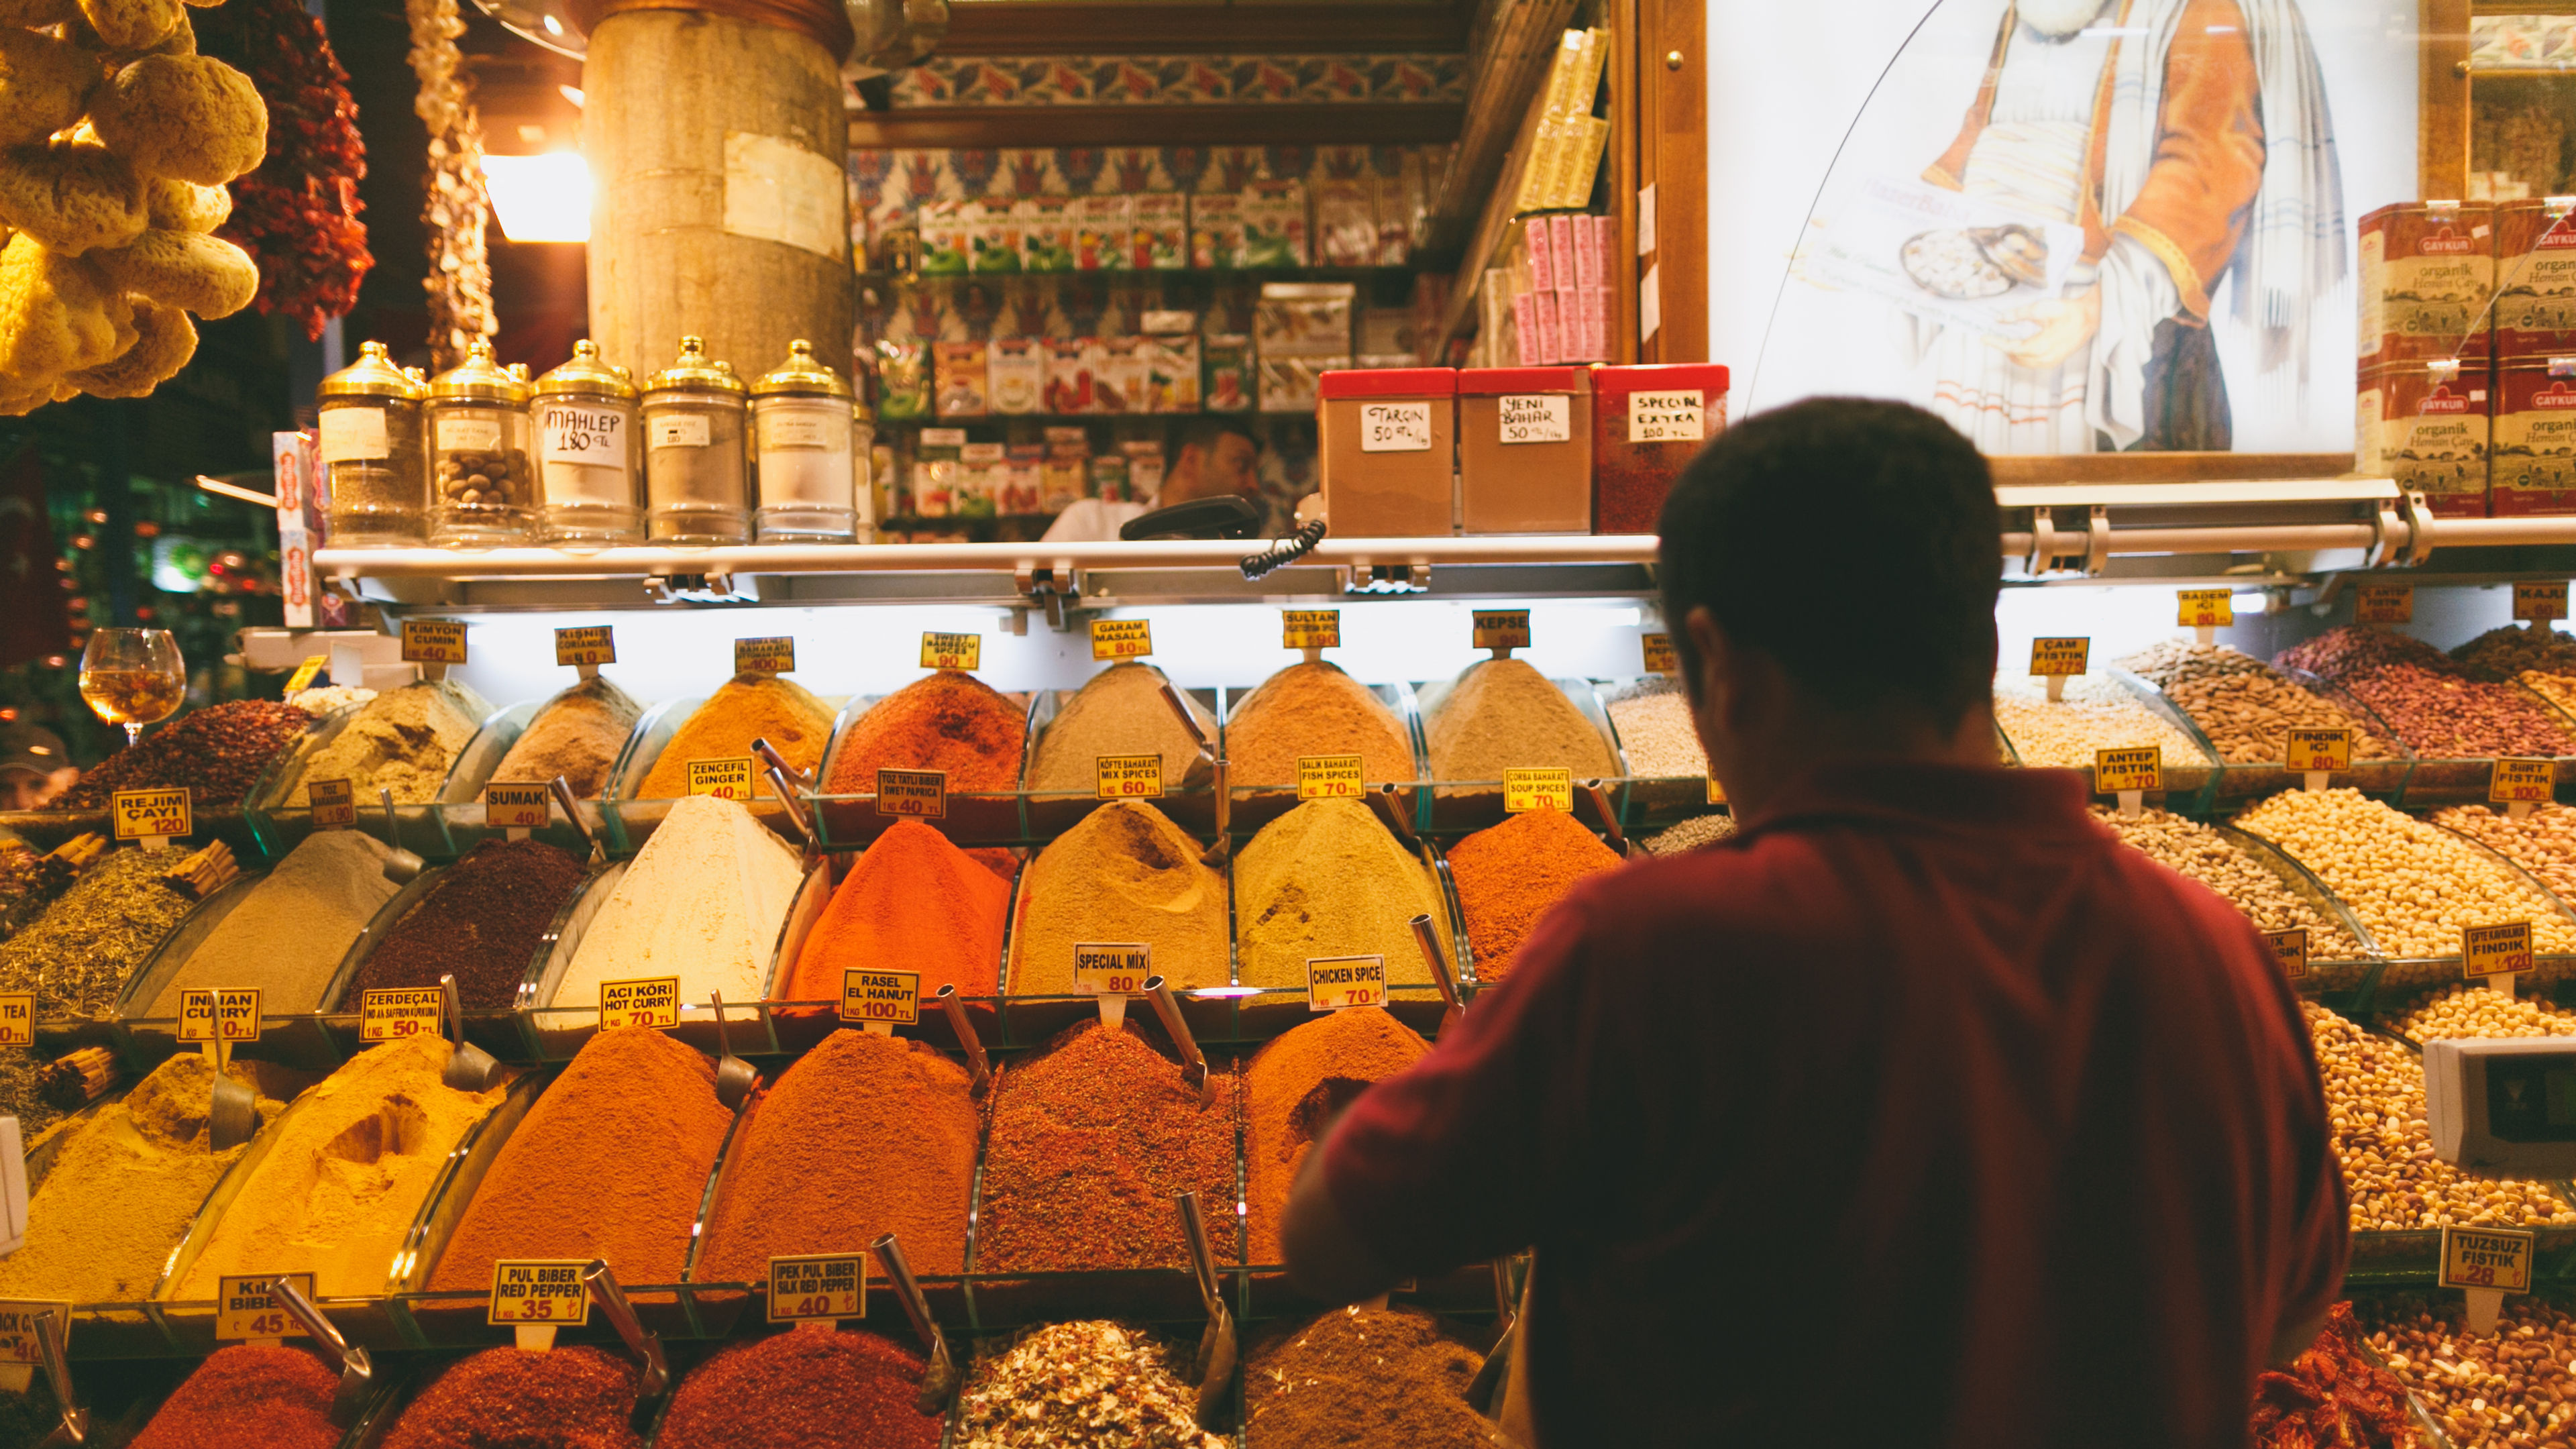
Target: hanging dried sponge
x=132 y=24
x=207 y=275
x=71 y=195
x=186 y=206
x=33 y=13
x=179 y=39
x=55 y=318
x=44 y=86
x=186 y=117
x=166 y=340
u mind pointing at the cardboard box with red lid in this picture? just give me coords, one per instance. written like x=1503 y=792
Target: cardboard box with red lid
x=1647 y=422
x=1525 y=450
x=1385 y=439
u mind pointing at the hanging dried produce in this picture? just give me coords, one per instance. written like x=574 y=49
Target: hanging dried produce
x=460 y=271
x=297 y=215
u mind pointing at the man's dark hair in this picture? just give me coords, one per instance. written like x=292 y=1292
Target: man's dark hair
x=1853 y=541
x=1207 y=428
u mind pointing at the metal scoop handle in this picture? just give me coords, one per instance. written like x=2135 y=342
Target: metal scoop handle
x=1194 y=1067
x=357 y=1371
x=776 y=761
x=74 y=1429
x=602 y=1286
x=1214 y=1365
x=940 y=1383
x=977 y=1066
x=1429 y=942
x=562 y=790
x=1181 y=712
x=1390 y=810
x=1202 y=1258
x=401 y=866
x=1600 y=799
x=795 y=806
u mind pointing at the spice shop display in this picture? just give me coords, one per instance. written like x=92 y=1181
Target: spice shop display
x=1385 y=442
x=403 y=740
x=589 y=459
x=1509 y=875
x=249 y=1394
x=2244 y=707
x=1313 y=709
x=1501 y=714
x=2463 y=1010
x=570 y=1182
x=702 y=901
x=2413 y=886
x=216 y=754
x=482 y=921
x=1525 y=450
x=802 y=1391
x=1656 y=732
x=30 y=882
x=374 y=463
x=1120 y=711
x=2543 y=842
x=910 y=897
x=2335 y=1392
x=695 y=460
x=863 y=1135
x=1293 y=1089
x=482 y=486
x=1647 y=423
x=2095 y=714
x=2427 y=697
x=1384 y=1378
x=801 y=446
x=948 y=721
x=1090 y=1142
x=1092 y=1382
x=342 y=1174
x=2502 y=1390
x=79 y=955
x=2217 y=862
x=577 y=734
x=287 y=936
x=1125 y=874
x=747 y=707
x=1327 y=879
x=1691 y=834
x=574 y=1397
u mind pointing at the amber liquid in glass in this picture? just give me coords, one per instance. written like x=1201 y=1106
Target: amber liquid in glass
x=131 y=696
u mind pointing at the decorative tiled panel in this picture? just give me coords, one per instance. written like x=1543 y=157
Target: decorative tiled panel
x=1179 y=80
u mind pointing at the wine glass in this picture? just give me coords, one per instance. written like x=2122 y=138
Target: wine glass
x=132 y=677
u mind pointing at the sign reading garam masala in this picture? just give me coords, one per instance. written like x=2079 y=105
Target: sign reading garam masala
x=2383 y=604
x=18 y=1328
x=1502 y=628
x=2540 y=602
x=2320 y=752
x=2522 y=782
x=2068 y=657
x=952 y=651
x=589 y=644
x=433 y=641
x=335 y=803
x=1336 y=982
x=245 y=1308
x=2290 y=949
x=1551 y=788
x=149 y=814
x=17 y=1018
x=1660 y=658
x=641 y=1001
x=516 y=807
x=1310 y=628
x=397 y=1012
x=820 y=1288
x=538 y=1290
x=1112 y=968
x=2502 y=949
x=1121 y=638
x=1128 y=777
x=2138 y=768
x=771 y=654
x=892 y=997
x=229 y=1014
x=727 y=777
x=2496 y=1258
x=913 y=794
x=1329 y=777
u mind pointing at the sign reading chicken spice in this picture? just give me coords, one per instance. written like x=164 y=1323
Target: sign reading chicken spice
x=589 y=646
x=246 y=1307
x=818 y=1289
x=1110 y=969
x=643 y=1001
x=1336 y=982
x=538 y=1290
x=433 y=641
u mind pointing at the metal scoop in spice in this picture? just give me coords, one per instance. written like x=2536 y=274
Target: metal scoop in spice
x=939 y=1379
x=469 y=1067
x=1216 y=771
x=1424 y=937
x=778 y=762
x=735 y=1078
x=562 y=789
x=1600 y=799
x=1486 y=1393
x=788 y=800
x=1194 y=1067
x=233 y=1116
x=357 y=1372
x=74 y=1429
x=401 y=866
x=602 y=1286
x=980 y=1070
x=1214 y=1365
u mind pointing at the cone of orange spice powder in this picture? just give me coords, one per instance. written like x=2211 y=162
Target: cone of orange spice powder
x=950 y=721
x=1509 y=875
x=912 y=898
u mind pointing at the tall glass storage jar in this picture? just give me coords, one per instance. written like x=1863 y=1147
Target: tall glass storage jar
x=801 y=449
x=695 y=483
x=586 y=418
x=482 y=490
x=369 y=443
x=863 y=472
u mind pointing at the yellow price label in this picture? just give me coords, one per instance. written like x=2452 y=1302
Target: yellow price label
x=1334 y=983
x=17 y=1018
x=2498 y=1258
x=2139 y=768
x=952 y=651
x=2383 y=604
x=2290 y=950
x=592 y=644
x=2059 y=656
x=2540 y=601
x=913 y=794
x=1128 y=777
x=1502 y=628
x=727 y=777
x=398 y=1013
x=1112 y=968
x=335 y=803
x=2522 y=782
x=306 y=672
x=774 y=654
x=1310 y=628
x=1121 y=638
x=892 y=997
x=228 y=1014
x=539 y=1290
x=1329 y=777
x=517 y=807
x=2503 y=949
x=1660 y=658
x=433 y=641
x=820 y=1288
x=1538 y=789
x=149 y=814
x=245 y=1307
x=1716 y=791
x=2315 y=752
x=640 y=1001
x=2206 y=608
x=18 y=1328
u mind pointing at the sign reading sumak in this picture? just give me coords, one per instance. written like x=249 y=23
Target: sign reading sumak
x=538 y=1290
x=516 y=807
x=149 y=814
x=643 y=1001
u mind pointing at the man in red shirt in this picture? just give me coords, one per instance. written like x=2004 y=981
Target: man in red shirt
x=1919 y=1112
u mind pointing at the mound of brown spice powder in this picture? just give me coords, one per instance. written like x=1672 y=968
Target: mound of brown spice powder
x=482 y=920
x=508 y=1398
x=248 y=1396
x=1124 y=872
x=1313 y=709
x=1361 y=1379
x=802 y=1389
x=610 y=1163
x=1509 y=875
x=864 y=1135
x=950 y=721
x=1090 y=1143
x=1293 y=1089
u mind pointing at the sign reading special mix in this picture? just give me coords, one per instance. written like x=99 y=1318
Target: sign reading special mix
x=1112 y=968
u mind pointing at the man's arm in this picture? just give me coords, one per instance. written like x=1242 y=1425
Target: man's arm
x=1327 y=1258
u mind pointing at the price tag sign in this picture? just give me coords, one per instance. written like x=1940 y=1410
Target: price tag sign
x=1112 y=968
x=952 y=651
x=17 y=1018
x=2320 y=752
x=516 y=807
x=433 y=641
x=398 y=1013
x=1310 y=628
x=228 y=1014
x=2498 y=950
x=1660 y=658
x=1128 y=777
x=2496 y=1258
x=1121 y=638
x=149 y=814
x=913 y=794
x=1403 y=427
x=642 y=1001
x=18 y=1328
x=594 y=645
x=335 y=803
x=775 y=654
x=1329 y=777
x=1502 y=628
x=1535 y=789
x=2541 y=602
x=245 y=1308
x=1336 y=982
x=2522 y=782
x=306 y=672
x=2383 y=604
x=1533 y=418
x=892 y=997
x=2141 y=768
x=2290 y=949
x=2206 y=608
x=1667 y=417
x=539 y=1290
x=1716 y=791
x=727 y=777
x=807 y=1290
x=2067 y=657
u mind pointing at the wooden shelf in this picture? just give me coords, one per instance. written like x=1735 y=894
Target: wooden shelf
x=939 y=127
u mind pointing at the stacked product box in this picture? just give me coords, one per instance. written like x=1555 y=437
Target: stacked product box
x=1561 y=304
x=2426 y=424
x=1300 y=331
x=2531 y=465
x=2425 y=409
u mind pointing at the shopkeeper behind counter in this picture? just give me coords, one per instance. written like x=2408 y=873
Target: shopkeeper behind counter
x=1217 y=458
x=1921 y=1111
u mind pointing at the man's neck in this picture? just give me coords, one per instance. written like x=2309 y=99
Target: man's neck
x=1830 y=741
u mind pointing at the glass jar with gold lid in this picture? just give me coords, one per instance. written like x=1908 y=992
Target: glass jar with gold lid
x=590 y=491
x=369 y=446
x=482 y=489
x=801 y=450
x=695 y=474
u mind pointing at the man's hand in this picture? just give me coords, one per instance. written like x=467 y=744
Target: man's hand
x=1326 y=1258
x=2065 y=324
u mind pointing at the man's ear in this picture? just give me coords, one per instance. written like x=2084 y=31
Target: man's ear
x=1711 y=654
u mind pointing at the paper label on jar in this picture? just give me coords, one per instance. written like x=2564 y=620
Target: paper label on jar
x=468 y=435
x=803 y=430
x=593 y=437
x=1667 y=417
x=1534 y=418
x=687 y=430
x=351 y=435
x=1403 y=427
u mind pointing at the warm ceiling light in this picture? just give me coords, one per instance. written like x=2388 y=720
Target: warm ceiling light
x=540 y=198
